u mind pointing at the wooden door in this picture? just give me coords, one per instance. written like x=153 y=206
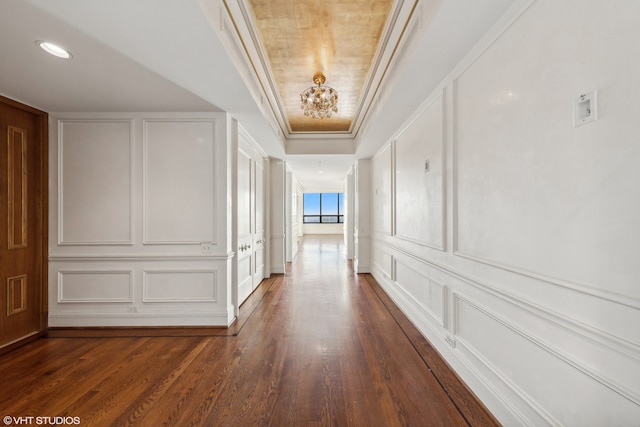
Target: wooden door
x=23 y=222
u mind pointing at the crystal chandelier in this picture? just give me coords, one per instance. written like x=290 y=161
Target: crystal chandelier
x=319 y=102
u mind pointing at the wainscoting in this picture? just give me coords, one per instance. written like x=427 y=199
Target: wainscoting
x=509 y=236
x=139 y=220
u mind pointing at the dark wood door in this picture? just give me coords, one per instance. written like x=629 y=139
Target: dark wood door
x=23 y=222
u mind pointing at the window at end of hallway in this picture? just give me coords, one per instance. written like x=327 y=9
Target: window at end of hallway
x=323 y=208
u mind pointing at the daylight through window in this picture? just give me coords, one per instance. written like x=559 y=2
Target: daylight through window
x=323 y=208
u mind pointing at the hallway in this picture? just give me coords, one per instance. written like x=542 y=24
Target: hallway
x=316 y=347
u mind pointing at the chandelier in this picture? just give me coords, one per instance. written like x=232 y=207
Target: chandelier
x=319 y=102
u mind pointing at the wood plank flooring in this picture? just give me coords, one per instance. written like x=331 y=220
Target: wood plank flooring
x=319 y=346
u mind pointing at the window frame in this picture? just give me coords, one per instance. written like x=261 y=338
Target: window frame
x=320 y=216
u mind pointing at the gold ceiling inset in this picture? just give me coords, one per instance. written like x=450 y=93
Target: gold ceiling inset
x=337 y=38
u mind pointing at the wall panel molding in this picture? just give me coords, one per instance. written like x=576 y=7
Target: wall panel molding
x=476 y=375
x=175 y=285
x=608 y=339
x=85 y=216
x=492 y=36
x=417 y=131
x=555 y=352
x=567 y=266
x=631 y=301
x=384 y=262
x=382 y=191
x=432 y=304
x=520 y=404
x=542 y=323
x=142 y=257
x=95 y=286
x=179 y=171
x=99 y=278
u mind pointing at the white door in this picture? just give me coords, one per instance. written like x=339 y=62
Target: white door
x=244 y=248
x=259 y=241
x=251 y=243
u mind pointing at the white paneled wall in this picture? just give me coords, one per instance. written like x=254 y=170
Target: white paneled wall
x=139 y=219
x=298 y=224
x=290 y=238
x=296 y=216
x=349 y=214
x=362 y=216
x=89 y=152
x=178 y=164
x=277 y=213
x=420 y=171
x=334 y=229
x=509 y=236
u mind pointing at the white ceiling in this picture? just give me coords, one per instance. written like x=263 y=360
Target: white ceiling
x=166 y=55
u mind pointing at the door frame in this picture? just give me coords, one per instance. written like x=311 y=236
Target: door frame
x=42 y=139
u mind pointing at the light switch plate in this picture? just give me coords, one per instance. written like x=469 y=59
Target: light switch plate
x=585 y=109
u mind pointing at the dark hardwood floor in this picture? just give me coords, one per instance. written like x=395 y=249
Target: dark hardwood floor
x=319 y=346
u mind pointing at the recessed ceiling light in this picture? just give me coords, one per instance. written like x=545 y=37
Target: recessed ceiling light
x=54 y=50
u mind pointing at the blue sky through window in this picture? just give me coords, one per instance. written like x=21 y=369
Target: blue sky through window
x=323 y=207
x=311 y=203
x=329 y=204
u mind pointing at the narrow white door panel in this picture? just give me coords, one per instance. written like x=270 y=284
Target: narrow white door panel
x=244 y=218
x=259 y=225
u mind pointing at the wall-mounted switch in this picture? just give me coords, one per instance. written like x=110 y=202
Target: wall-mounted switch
x=585 y=109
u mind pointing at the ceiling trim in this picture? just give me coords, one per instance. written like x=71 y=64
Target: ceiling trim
x=259 y=57
x=246 y=49
x=400 y=18
x=241 y=46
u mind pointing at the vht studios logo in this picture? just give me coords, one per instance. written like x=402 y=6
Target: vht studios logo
x=55 y=421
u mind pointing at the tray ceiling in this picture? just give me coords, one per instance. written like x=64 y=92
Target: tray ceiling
x=285 y=42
